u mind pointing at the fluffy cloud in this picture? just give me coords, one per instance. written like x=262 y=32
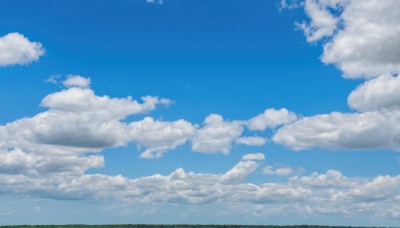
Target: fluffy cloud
x=379 y=93
x=15 y=48
x=84 y=101
x=217 y=135
x=257 y=157
x=280 y=171
x=15 y=161
x=317 y=194
x=322 y=22
x=271 y=118
x=362 y=36
x=158 y=136
x=251 y=141
x=78 y=121
x=361 y=39
x=370 y=130
x=74 y=81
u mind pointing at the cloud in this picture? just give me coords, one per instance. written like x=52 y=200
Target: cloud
x=160 y=2
x=79 y=122
x=257 y=157
x=370 y=130
x=376 y=94
x=322 y=22
x=271 y=118
x=252 y=141
x=158 y=136
x=217 y=135
x=280 y=171
x=54 y=79
x=15 y=49
x=76 y=81
x=84 y=102
x=361 y=38
x=317 y=194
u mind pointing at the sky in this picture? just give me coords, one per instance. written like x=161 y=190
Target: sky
x=200 y=112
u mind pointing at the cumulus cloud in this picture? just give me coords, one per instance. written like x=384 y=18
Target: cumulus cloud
x=15 y=48
x=280 y=171
x=376 y=94
x=361 y=36
x=370 y=130
x=217 y=135
x=78 y=121
x=317 y=194
x=256 y=157
x=322 y=22
x=252 y=141
x=271 y=118
x=76 y=81
x=159 y=137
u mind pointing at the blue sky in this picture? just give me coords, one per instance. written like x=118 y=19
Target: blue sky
x=257 y=112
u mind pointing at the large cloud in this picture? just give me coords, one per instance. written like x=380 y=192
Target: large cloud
x=78 y=121
x=15 y=48
x=362 y=37
x=376 y=94
x=375 y=126
x=370 y=130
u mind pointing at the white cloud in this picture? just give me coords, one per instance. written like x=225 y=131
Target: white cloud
x=362 y=36
x=54 y=79
x=158 y=136
x=379 y=93
x=15 y=48
x=84 y=101
x=160 y=2
x=317 y=194
x=76 y=81
x=322 y=22
x=252 y=141
x=78 y=122
x=240 y=171
x=375 y=126
x=217 y=135
x=271 y=118
x=280 y=171
x=361 y=39
x=370 y=130
x=284 y=171
x=257 y=157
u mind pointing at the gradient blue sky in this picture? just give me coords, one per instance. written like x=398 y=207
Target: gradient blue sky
x=233 y=58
